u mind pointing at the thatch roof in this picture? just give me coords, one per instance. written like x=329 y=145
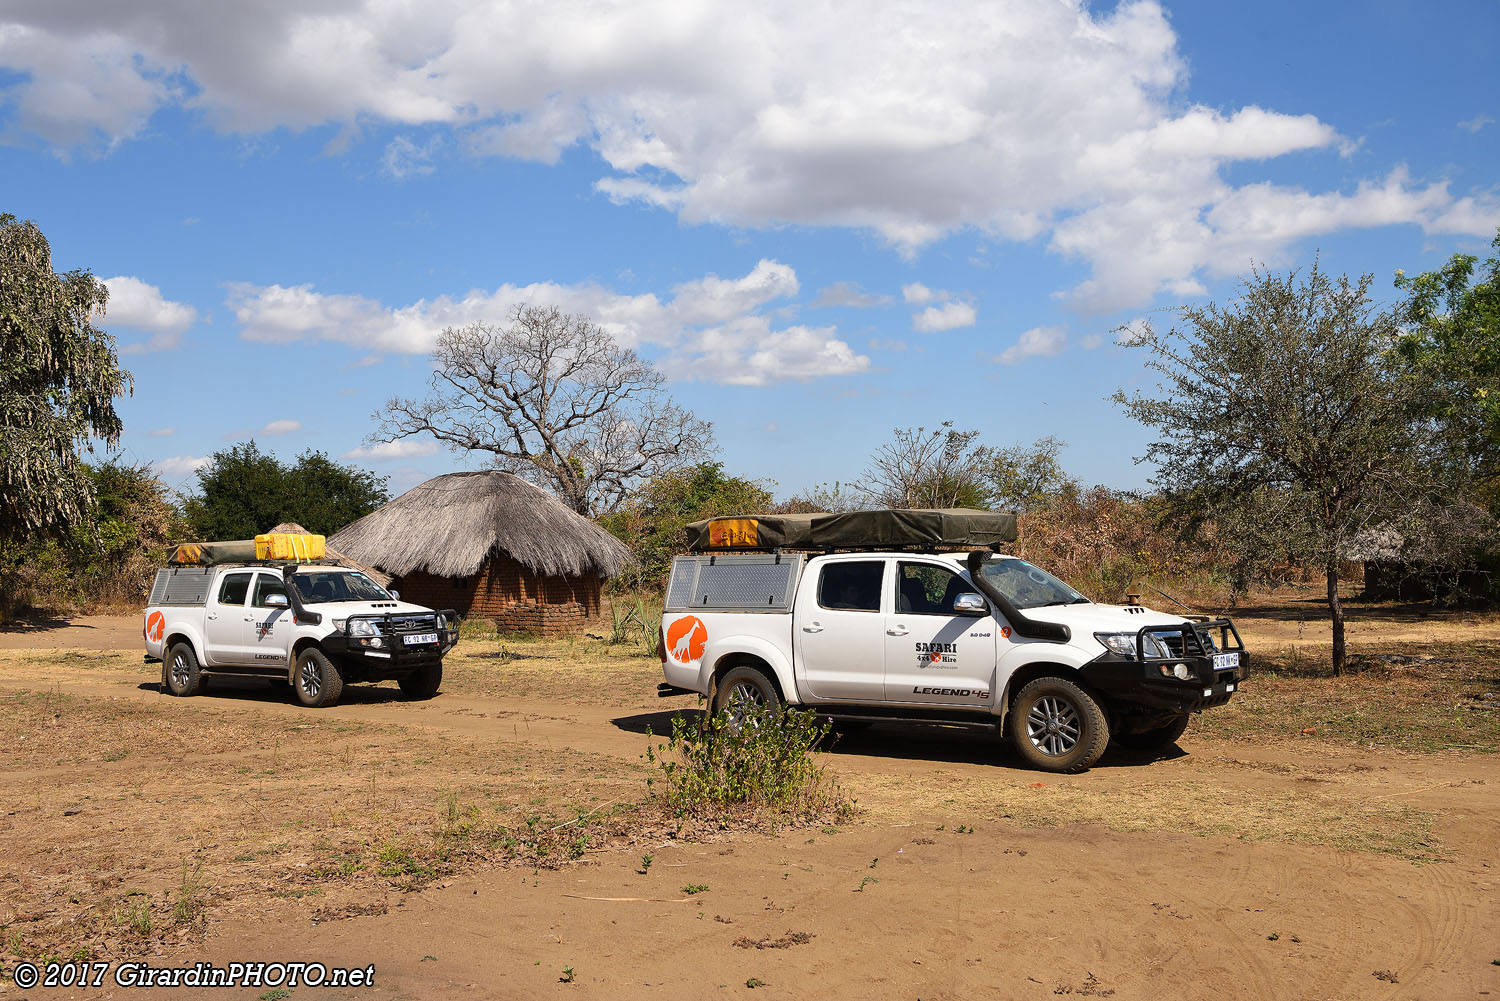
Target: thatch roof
x=332 y=555
x=449 y=525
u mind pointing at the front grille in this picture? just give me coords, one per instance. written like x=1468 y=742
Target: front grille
x=407 y=623
x=1175 y=645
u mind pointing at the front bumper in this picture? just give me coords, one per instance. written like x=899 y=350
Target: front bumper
x=1138 y=680
x=1141 y=683
x=394 y=657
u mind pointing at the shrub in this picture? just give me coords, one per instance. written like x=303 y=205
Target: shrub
x=762 y=771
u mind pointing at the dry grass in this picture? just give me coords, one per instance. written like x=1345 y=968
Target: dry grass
x=1413 y=698
x=131 y=822
x=571 y=670
x=1204 y=797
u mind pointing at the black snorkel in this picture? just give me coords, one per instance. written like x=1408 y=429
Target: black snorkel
x=1029 y=628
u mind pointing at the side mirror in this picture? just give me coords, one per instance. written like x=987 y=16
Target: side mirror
x=395 y=595
x=276 y=601
x=970 y=604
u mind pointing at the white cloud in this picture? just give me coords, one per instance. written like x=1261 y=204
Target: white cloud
x=847 y=294
x=1091 y=342
x=179 y=467
x=139 y=306
x=711 y=328
x=1476 y=123
x=391 y=451
x=947 y=317
x=163 y=432
x=918 y=294
x=1038 y=342
x=1036 y=120
x=269 y=431
x=404 y=158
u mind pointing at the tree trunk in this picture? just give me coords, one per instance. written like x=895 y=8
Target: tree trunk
x=1337 y=611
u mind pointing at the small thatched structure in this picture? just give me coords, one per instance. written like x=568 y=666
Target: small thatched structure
x=332 y=555
x=489 y=544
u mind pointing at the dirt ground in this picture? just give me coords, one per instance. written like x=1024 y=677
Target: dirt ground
x=1320 y=838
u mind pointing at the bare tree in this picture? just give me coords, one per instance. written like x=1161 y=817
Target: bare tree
x=921 y=468
x=554 y=399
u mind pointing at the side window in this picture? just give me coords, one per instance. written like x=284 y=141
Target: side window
x=267 y=584
x=233 y=589
x=924 y=589
x=851 y=585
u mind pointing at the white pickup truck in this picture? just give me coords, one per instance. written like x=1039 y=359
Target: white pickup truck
x=316 y=627
x=977 y=638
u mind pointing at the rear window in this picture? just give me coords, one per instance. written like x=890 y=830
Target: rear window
x=234 y=588
x=853 y=586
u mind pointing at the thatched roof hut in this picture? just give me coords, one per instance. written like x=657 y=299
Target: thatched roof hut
x=485 y=543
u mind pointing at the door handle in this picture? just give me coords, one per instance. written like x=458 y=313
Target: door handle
x=249 y=618
x=213 y=615
x=898 y=631
x=814 y=628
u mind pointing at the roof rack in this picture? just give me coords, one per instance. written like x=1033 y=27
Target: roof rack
x=884 y=528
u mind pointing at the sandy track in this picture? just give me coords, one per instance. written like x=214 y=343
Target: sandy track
x=1009 y=910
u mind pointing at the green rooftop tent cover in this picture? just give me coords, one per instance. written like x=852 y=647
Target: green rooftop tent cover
x=887 y=528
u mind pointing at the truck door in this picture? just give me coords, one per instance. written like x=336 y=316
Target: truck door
x=226 y=622
x=270 y=624
x=933 y=657
x=836 y=630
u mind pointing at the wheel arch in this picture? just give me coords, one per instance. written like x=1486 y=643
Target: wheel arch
x=297 y=648
x=1027 y=673
x=742 y=657
x=182 y=636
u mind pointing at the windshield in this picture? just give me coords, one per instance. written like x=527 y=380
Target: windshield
x=317 y=588
x=1026 y=586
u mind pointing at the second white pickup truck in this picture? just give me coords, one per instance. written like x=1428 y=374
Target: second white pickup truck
x=314 y=626
x=878 y=633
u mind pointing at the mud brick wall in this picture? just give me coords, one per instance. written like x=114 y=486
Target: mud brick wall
x=507 y=592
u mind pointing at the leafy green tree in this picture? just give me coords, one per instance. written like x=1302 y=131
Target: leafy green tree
x=59 y=378
x=242 y=492
x=328 y=495
x=1025 y=477
x=652 y=524
x=1284 y=419
x=1452 y=320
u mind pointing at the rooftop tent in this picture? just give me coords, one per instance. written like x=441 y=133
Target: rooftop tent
x=894 y=528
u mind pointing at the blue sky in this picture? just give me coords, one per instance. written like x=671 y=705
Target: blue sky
x=821 y=222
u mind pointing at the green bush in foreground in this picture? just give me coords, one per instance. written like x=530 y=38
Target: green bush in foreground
x=763 y=771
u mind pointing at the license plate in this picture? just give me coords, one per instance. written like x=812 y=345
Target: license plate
x=1226 y=661
x=419 y=639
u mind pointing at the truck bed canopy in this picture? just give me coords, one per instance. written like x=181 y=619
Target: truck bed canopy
x=887 y=528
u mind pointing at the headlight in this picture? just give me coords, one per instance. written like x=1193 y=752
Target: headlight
x=1124 y=644
x=362 y=627
x=442 y=621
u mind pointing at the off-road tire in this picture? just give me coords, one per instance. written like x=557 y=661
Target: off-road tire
x=1155 y=739
x=180 y=672
x=317 y=681
x=423 y=684
x=743 y=686
x=1057 y=727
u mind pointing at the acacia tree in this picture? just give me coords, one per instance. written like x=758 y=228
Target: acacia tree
x=553 y=398
x=59 y=377
x=1285 y=420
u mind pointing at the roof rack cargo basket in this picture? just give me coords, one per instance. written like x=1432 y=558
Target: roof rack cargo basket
x=885 y=528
